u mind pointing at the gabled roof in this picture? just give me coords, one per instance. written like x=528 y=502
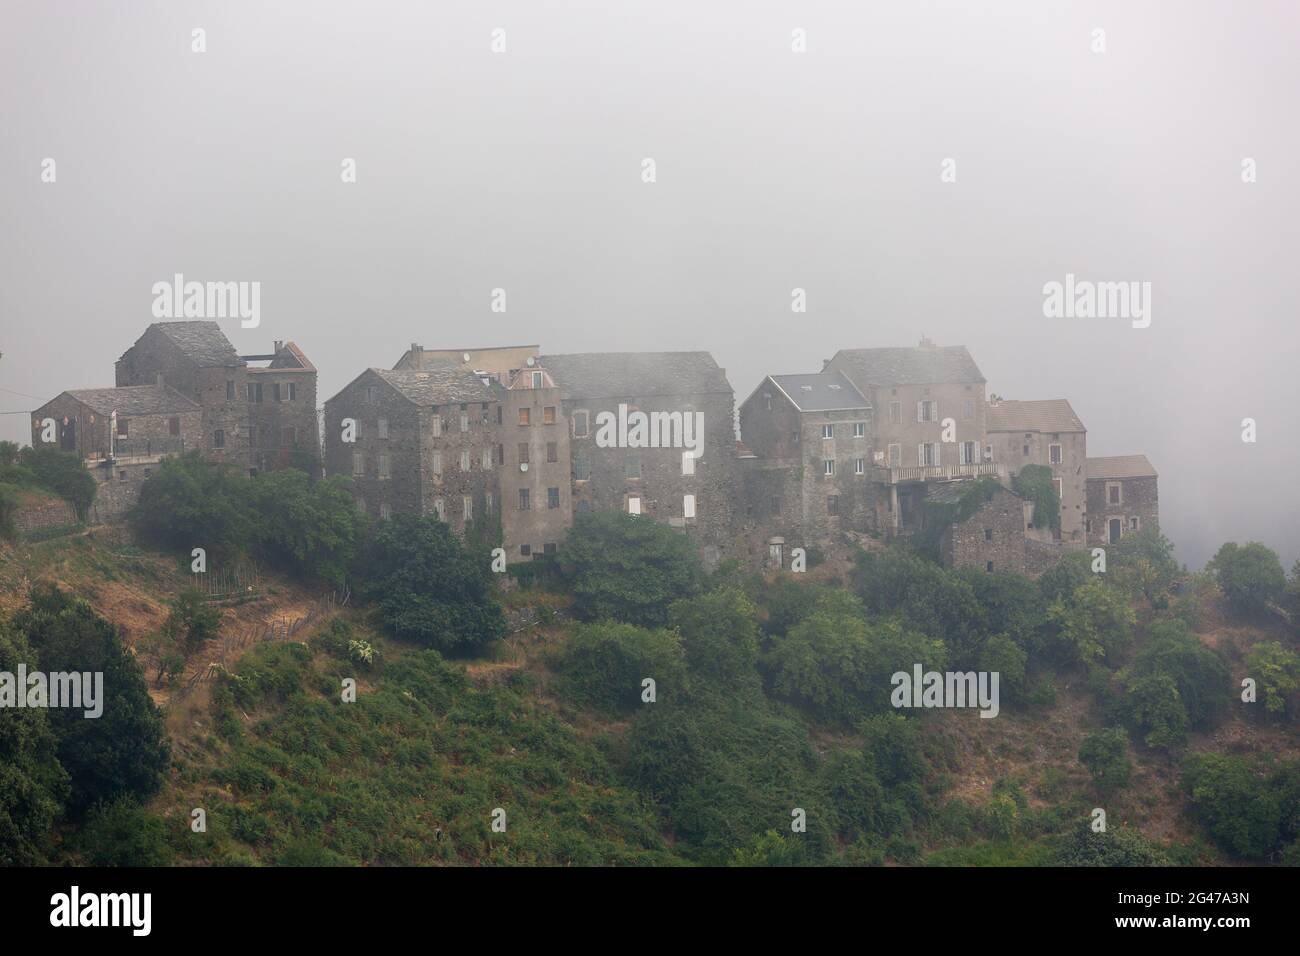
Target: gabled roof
x=585 y=375
x=820 y=392
x=441 y=384
x=1047 y=415
x=1120 y=466
x=202 y=341
x=291 y=357
x=135 y=400
x=923 y=365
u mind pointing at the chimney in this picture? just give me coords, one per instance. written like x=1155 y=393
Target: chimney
x=416 y=348
x=279 y=344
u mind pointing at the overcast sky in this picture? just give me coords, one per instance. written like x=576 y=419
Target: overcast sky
x=775 y=170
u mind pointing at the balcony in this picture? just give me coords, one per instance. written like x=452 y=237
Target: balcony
x=896 y=476
x=128 y=451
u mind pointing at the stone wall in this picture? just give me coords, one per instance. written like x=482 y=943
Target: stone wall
x=1139 y=500
x=992 y=539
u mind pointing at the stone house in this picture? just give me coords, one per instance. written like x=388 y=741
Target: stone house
x=536 y=490
x=930 y=420
x=497 y=362
x=808 y=469
x=1045 y=433
x=418 y=442
x=254 y=416
x=1122 y=498
x=121 y=434
x=614 y=469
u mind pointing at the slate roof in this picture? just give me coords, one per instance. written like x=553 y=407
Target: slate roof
x=586 y=375
x=203 y=341
x=135 y=400
x=1048 y=415
x=820 y=392
x=1120 y=466
x=439 y=384
x=923 y=365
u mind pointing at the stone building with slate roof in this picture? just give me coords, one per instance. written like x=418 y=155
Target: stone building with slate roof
x=1046 y=433
x=259 y=411
x=809 y=472
x=1123 y=498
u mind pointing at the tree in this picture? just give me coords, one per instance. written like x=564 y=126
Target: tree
x=428 y=587
x=311 y=528
x=192 y=503
x=124 y=751
x=1250 y=575
x=1277 y=674
x=1096 y=623
x=720 y=634
x=1200 y=675
x=629 y=568
x=63 y=473
x=1065 y=577
x=1005 y=657
x=1117 y=846
x=1037 y=483
x=603 y=664
x=1105 y=754
x=1156 y=709
x=33 y=784
x=1143 y=565
x=192 y=622
x=1242 y=808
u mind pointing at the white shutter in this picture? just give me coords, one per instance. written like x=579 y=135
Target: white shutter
x=688 y=506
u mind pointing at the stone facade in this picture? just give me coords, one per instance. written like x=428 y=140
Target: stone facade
x=1123 y=498
x=992 y=539
x=536 y=487
x=1046 y=433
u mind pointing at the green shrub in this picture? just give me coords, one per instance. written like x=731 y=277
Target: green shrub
x=603 y=664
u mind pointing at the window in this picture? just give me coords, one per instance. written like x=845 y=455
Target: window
x=1024 y=450
x=467 y=507
x=828 y=466
x=859 y=429
x=832 y=504
x=372 y=394
x=383 y=464
x=927 y=453
x=498 y=414
x=148 y=472
x=464 y=421
x=988 y=534
x=895 y=413
x=537 y=380
x=1060 y=490
x=383 y=428
x=487 y=503
x=501 y=454
x=289 y=436
x=548 y=547
x=1114 y=495
x=525 y=550
x=988 y=566
x=122 y=426
x=121 y=475
x=968 y=409
x=1054 y=454
x=828 y=431
x=688 y=463
x=688 y=506
x=435 y=464
x=486 y=459
x=385 y=511
x=927 y=411
x=230 y=391
x=580 y=424
x=525 y=416
x=859 y=466
x=581 y=468
x=436 y=423
x=895 y=456
x=967 y=452
x=358 y=463
x=552 y=451
x=254 y=392
x=439 y=509
x=776 y=505
x=275 y=392
x=552 y=498
x=1133 y=523
x=1087 y=525
x=523 y=453
x=548 y=415
x=293 y=391
x=464 y=460
x=219 y=439
x=631 y=467
x=634 y=505
x=525 y=501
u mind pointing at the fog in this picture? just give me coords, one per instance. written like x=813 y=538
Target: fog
x=775 y=170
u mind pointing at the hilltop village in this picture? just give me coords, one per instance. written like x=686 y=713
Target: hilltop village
x=523 y=441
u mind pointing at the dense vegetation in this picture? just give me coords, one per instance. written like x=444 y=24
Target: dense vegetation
x=60 y=473
x=685 y=717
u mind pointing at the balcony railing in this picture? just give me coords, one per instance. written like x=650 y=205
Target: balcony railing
x=894 y=476
x=128 y=450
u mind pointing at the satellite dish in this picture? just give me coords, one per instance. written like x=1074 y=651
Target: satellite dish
x=531 y=361
x=523 y=466
x=466 y=356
